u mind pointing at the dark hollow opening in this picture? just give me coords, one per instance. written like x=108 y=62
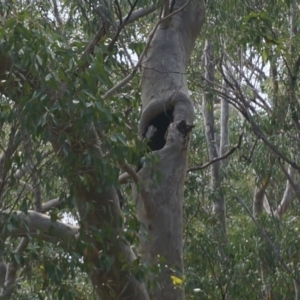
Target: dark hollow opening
x=161 y=122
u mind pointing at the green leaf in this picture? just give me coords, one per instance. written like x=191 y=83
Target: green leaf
x=48 y=77
x=265 y=55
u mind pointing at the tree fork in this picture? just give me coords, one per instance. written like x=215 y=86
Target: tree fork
x=167 y=106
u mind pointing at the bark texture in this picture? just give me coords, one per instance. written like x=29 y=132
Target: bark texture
x=166 y=106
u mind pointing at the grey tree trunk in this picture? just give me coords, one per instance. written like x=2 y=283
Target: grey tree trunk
x=166 y=106
x=165 y=99
x=99 y=209
x=218 y=199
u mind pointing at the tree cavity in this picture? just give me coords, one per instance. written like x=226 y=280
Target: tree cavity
x=157 y=130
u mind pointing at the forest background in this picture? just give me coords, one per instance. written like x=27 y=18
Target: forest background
x=102 y=101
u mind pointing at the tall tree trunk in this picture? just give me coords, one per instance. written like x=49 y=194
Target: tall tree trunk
x=167 y=107
x=106 y=252
x=211 y=138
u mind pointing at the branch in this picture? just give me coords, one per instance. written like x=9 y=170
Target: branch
x=148 y=202
x=36 y=224
x=56 y=13
x=256 y=129
x=120 y=27
x=8 y=272
x=259 y=200
x=268 y=240
x=135 y=69
x=28 y=166
x=233 y=149
x=57 y=202
x=131 y=17
x=253 y=67
x=7 y=153
x=11 y=271
x=3 y=269
x=37 y=191
x=123 y=178
x=287 y=196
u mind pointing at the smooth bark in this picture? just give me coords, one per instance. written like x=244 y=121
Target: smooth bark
x=164 y=67
x=287 y=196
x=36 y=224
x=167 y=106
x=218 y=199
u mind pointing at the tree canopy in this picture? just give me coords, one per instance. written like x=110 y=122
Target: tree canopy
x=101 y=103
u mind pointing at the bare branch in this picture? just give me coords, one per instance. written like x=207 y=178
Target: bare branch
x=56 y=13
x=57 y=202
x=137 y=66
x=7 y=153
x=268 y=240
x=234 y=148
x=288 y=193
x=11 y=271
x=37 y=225
x=256 y=129
x=3 y=269
x=138 y=14
x=121 y=26
x=123 y=178
x=8 y=273
x=37 y=192
x=253 y=67
x=148 y=202
x=28 y=166
x=133 y=16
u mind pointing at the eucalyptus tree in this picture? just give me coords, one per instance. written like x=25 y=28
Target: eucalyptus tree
x=254 y=53
x=68 y=130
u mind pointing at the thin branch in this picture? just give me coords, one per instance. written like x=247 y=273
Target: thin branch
x=120 y=27
x=166 y=9
x=57 y=202
x=13 y=144
x=124 y=177
x=228 y=153
x=12 y=267
x=256 y=129
x=268 y=240
x=126 y=20
x=56 y=13
x=138 y=14
x=253 y=67
x=37 y=192
x=290 y=186
x=28 y=166
x=148 y=202
x=137 y=66
x=249 y=84
x=11 y=271
x=118 y=11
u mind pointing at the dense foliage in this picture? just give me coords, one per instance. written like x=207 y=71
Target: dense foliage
x=84 y=45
